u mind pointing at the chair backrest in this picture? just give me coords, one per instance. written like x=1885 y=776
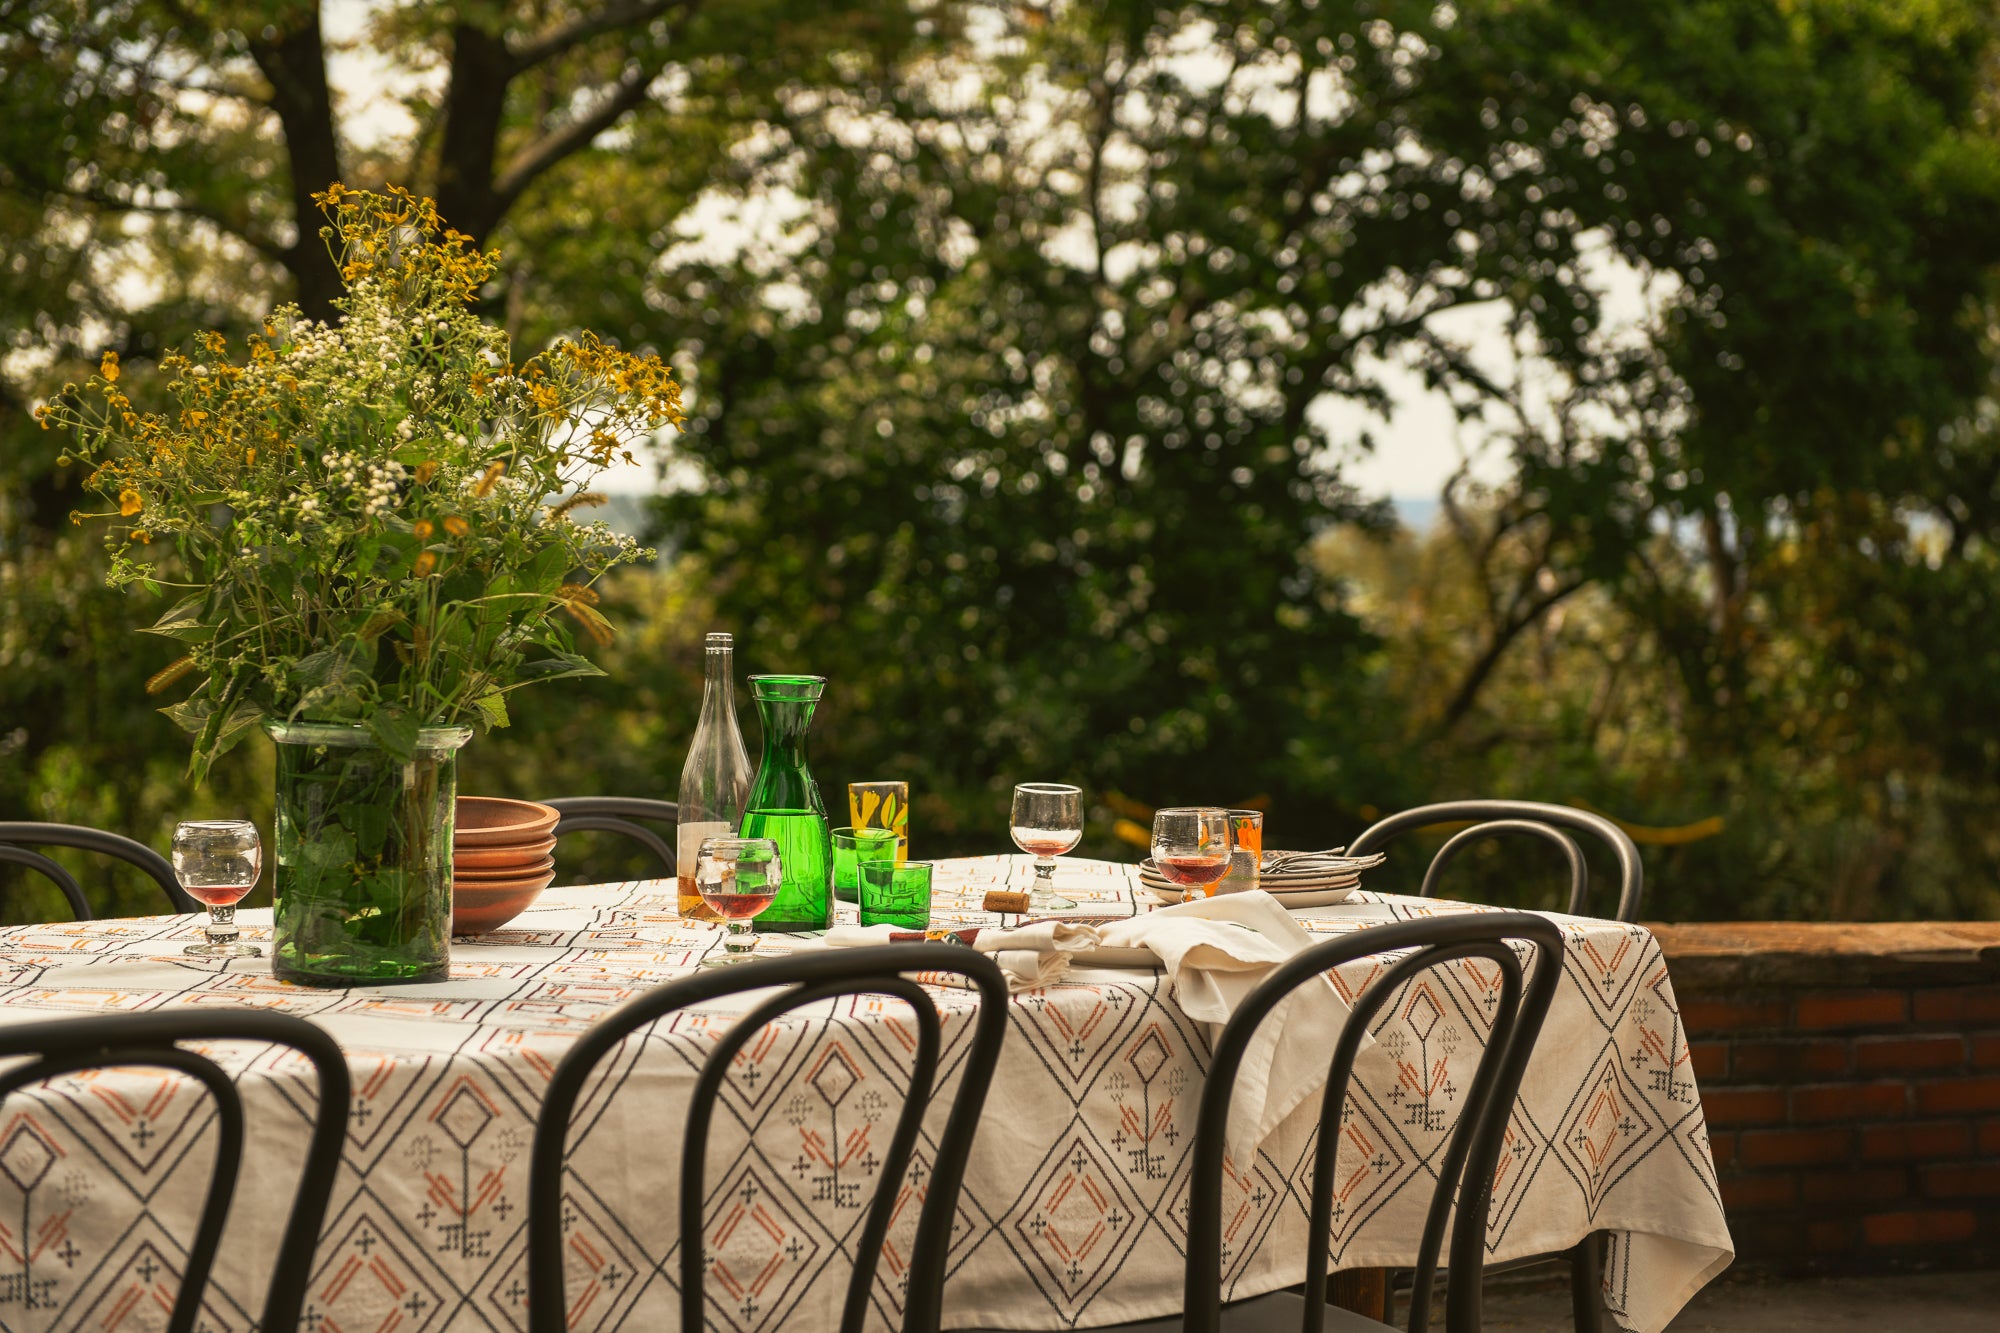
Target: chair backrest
x=616 y=814
x=150 y=1040
x=806 y=978
x=25 y=834
x=79 y=906
x=1579 y=869
x=1631 y=873
x=1471 y=1157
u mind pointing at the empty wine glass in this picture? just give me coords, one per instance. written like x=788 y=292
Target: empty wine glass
x=1191 y=847
x=737 y=878
x=217 y=861
x=1047 y=821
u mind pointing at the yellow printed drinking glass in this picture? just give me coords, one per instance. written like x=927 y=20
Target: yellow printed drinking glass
x=882 y=805
x=1246 y=835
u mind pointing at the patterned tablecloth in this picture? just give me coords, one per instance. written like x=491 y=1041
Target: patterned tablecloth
x=1074 y=1207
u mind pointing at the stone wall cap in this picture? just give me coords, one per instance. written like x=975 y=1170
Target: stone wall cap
x=1730 y=955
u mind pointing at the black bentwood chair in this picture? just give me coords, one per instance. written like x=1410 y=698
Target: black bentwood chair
x=1533 y=819
x=71 y=1044
x=1471 y=1156
x=16 y=838
x=616 y=814
x=1492 y=819
x=809 y=977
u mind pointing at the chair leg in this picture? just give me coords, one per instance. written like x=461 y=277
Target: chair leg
x=1586 y=1283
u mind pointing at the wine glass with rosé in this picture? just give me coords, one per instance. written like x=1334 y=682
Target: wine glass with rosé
x=737 y=878
x=217 y=861
x=1191 y=846
x=1047 y=821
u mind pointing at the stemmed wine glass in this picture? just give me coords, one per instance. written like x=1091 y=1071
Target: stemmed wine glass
x=1191 y=846
x=737 y=878
x=217 y=862
x=1047 y=821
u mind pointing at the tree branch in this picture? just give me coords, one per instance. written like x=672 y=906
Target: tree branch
x=265 y=246
x=1504 y=635
x=553 y=147
x=579 y=30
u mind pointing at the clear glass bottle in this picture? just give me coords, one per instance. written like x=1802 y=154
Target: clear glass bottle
x=715 y=782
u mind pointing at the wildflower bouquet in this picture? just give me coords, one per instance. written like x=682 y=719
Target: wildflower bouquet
x=372 y=528
x=373 y=520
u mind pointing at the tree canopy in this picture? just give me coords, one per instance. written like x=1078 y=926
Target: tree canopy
x=1010 y=333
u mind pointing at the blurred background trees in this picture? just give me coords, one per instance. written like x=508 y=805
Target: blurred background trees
x=1026 y=343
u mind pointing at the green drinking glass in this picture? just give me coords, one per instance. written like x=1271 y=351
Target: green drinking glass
x=895 y=895
x=851 y=846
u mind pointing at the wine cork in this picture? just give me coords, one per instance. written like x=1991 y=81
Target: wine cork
x=1002 y=900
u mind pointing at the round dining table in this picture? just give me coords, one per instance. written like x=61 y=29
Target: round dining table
x=1073 y=1212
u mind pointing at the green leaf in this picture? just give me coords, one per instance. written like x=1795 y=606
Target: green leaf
x=370 y=824
x=182 y=621
x=190 y=715
x=545 y=571
x=493 y=707
x=222 y=726
x=241 y=718
x=396 y=731
x=559 y=667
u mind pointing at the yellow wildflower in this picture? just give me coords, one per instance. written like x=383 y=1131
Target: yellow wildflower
x=130 y=502
x=425 y=471
x=425 y=564
x=489 y=481
x=457 y=526
x=109 y=366
x=423 y=529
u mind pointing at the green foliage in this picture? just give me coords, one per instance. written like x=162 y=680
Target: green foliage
x=1016 y=427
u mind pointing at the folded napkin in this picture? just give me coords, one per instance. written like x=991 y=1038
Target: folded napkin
x=1033 y=955
x=1216 y=951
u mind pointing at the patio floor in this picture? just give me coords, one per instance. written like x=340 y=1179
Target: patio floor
x=1930 y=1302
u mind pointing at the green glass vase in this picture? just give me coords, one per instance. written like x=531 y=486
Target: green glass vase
x=363 y=880
x=785 y=805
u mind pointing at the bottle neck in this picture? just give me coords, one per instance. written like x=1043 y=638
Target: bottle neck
x=718 y=694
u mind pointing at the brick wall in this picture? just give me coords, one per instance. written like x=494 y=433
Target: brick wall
x=1851 y=1080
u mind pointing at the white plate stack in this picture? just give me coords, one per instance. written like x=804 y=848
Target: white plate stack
x=1296 y=879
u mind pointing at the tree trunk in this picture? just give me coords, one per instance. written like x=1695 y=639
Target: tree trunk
x=294 y=61
x=474 y=103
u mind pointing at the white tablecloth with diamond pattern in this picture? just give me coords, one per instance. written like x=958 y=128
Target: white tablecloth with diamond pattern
x=1073 y=1212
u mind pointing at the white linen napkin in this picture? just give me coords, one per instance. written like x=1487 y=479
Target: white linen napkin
x=1216 y=951
x=1033 y=955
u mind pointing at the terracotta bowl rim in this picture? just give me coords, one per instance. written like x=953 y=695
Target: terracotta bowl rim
x=541 y=846
x=534 y=824
x=502 y=873
x=530 y=883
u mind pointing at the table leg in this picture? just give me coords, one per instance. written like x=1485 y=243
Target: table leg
x=1358 y=1289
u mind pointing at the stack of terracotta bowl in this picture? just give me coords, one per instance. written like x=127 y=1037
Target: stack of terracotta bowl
x=502 y=856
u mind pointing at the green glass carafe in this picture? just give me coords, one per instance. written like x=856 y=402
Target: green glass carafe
x=785 y=805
